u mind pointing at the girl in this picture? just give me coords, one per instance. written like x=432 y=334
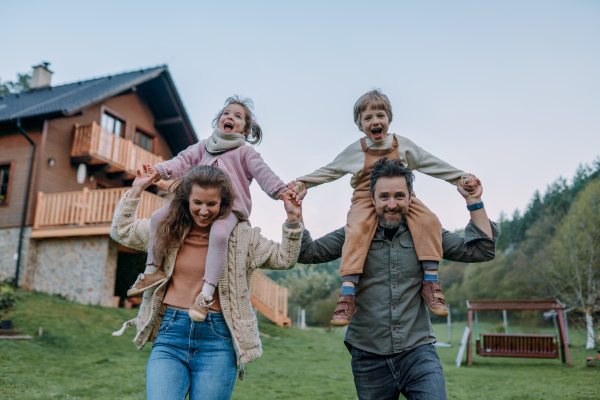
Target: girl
x=226 y=149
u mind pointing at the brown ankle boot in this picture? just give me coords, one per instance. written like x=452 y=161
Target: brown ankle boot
x=145 y=282
x=344 y=311
x=199 y=309
x=432 y=293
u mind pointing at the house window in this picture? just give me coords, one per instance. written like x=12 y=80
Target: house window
x=143 y=140
x=4 y=183
x=112 y=124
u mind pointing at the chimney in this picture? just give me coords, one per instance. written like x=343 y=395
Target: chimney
x=41 y=76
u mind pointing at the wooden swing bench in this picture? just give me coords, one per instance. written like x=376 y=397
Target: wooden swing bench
x=521 y=345
x=503 y=345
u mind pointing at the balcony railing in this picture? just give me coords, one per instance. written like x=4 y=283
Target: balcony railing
x=86 y=207
x=105 y=147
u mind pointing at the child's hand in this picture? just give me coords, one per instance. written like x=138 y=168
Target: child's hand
x=143 y=179
x=470 y=183
x=470 y=186
x=298 y=187
x=164 y=185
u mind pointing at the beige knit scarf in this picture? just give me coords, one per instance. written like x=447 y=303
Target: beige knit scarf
x=220 y=142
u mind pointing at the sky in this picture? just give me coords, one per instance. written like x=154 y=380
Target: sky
x=506 y=89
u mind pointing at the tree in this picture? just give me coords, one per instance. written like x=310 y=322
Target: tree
x=572 y=270
x=19 y=85
x=307 y=285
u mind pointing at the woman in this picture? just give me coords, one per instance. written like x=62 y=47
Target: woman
x=187 y=356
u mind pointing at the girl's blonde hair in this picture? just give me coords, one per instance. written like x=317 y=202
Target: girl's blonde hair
x=252 y=130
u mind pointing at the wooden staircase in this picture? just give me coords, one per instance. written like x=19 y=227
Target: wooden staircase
x=269 y=299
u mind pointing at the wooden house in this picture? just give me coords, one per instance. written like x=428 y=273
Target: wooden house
x=67 y=155
x=89 y=138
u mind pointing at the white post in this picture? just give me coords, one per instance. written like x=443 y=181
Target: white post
x=303 y=324
x=590 y=329
x=505 y=322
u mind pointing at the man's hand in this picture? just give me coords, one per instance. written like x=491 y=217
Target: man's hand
x=478 y=216
x=470 y=182
x=470 y=187
x=146 y=177
x=293 y=206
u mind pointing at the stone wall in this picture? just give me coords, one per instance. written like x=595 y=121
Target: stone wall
x=82 y=269
x=9 y=244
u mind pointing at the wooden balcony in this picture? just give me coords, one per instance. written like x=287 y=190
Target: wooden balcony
x=103 y=147
x=87 y=212
x=269 y=299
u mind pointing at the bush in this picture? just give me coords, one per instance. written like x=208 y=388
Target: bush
x=7 y=299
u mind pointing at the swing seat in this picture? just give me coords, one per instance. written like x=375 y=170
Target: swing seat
x=531 y=346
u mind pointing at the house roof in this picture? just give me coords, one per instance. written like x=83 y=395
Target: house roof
x=154 y=85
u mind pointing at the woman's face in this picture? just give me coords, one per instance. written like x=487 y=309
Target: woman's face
x=205 y=204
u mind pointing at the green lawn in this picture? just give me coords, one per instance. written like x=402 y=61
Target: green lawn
x=77 y=358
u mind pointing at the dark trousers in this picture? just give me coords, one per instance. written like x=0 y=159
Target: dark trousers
x=416 y=373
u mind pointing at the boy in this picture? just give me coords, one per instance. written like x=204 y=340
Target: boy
x=372 y=115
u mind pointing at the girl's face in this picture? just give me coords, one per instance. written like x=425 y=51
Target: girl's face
x=233 y=119
x=205 y=204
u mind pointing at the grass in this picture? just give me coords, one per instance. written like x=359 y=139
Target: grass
x=77 y=358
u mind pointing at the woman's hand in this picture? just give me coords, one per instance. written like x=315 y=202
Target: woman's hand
x=144 y=178
x=293 y=206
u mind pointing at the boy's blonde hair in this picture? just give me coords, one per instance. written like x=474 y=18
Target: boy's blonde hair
x=373 y=99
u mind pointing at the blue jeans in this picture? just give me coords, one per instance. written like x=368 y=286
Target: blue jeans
x=187 y=356
x=416 y=373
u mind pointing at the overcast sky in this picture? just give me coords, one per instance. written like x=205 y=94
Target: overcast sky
x=508 y=90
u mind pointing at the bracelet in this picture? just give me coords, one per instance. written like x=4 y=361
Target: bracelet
x=292 y=224
x=475 y=206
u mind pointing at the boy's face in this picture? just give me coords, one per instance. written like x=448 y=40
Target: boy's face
x=375 y=124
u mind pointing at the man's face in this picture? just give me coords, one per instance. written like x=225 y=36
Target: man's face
x=391 y=200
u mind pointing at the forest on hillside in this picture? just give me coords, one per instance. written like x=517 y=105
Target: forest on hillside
x=550 y=250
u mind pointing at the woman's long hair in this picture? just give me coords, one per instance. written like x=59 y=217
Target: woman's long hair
x=169 y=233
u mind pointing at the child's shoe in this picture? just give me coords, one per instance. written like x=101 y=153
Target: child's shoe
x=432 y=293
x=199 y=310
x=344 y=311
x=145 y=282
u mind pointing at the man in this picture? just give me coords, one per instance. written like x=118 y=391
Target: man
x=390 y=338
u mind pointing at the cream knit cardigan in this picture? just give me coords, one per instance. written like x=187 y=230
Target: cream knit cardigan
x=246 y=251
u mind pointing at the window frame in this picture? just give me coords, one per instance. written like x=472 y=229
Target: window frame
x=116 y=116
x=11 y=169
x=148 y=135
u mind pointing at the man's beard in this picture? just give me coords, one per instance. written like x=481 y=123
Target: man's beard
x=392 y=223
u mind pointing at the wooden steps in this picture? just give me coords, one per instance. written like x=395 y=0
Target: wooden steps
x=269 y=299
